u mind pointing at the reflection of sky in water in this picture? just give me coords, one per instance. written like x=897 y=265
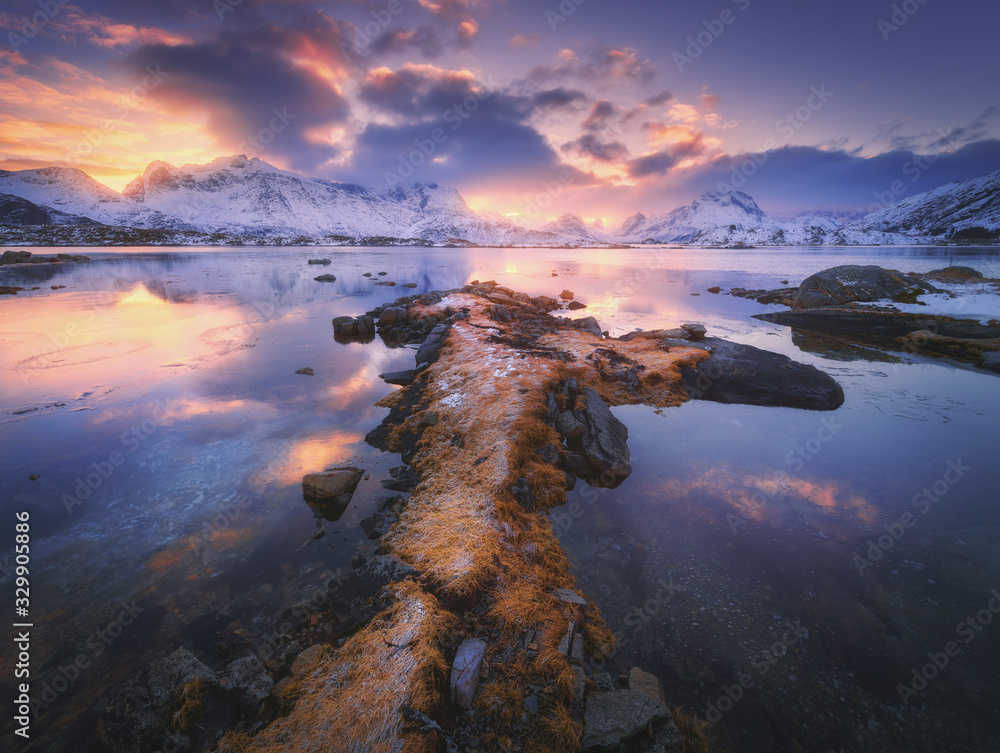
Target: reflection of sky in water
x=176 y=371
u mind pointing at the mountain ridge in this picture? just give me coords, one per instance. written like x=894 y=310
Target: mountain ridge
x=244 y=196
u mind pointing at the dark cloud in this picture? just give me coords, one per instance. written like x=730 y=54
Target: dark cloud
x=790 y=179
x=589 y=145
x=599 y=115
x=424 y=39
x=597 y=62
x=658 y=163
x=658 y=100
x=556 y=98
x=243 y=89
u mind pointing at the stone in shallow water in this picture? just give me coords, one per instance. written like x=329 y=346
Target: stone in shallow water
x=611 y=718
x=465 y=671
x=333 y=482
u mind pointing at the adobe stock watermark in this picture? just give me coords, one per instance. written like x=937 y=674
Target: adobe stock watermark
x=640 y=616
x=102 y=470
x=47 y=10
x=714 y=28
x=762 y=663
x=786 y=126
x=122 y=109
x=381 y=18
x=253 y=144
x=426 y=148
x=966 y=631
x=562 y=12
x=796 y=459
x=923 y=501
x=900 y=16
x=98 y=642
x=228 y=514
x=914 y=169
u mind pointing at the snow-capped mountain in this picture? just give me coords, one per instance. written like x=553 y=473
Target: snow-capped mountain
x=946 y=210
x=237 y=196
x=70 y=191
x=570 y=227
x=734 y=218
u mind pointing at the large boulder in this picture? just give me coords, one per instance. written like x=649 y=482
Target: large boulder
x=430 y=349
x=356 y=588
x=604 y=442
x=612 y=718
x=333 y=482
x=851 y=282
x=354 y=328
x=744 y=374
x=246 y=683
x=141 y=711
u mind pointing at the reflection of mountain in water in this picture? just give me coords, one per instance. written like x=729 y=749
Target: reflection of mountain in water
x=268 y=280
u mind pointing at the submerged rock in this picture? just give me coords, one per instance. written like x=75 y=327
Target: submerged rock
x=319 y=261
x=356 y=588
x=141 y=711
x=744 y=374
x=465 y=671
x=326 y=278
x=612 y=718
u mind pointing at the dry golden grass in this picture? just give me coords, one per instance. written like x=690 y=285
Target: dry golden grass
x=477 y=549
x=693 y=730
x=189 y=704
x=351 y=701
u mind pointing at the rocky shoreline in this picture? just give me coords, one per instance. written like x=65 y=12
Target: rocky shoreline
x=858 y=303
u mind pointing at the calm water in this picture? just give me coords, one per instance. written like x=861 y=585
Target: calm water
x=156 y=398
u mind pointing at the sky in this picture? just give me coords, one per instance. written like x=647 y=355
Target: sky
x=530 y=108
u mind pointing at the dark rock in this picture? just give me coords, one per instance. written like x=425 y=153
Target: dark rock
x=319 y=261
x=568 y=596
x=401 y=378
x=332 y=482
x=356 y=588
x=743 y=374
x=573 y=462
x=366 y=274
x=646 y=683
x=569 y=426
x=15 y=257
x=566 y=295
x=326 y=278
x=465 y=672
x=589 y=324
x=881 y=326
x=521 y=492
x=612 y=718
x=358 y=560
x=143 y=708
x=393 y=315
x=10 y=290
x=850 y=282
x=349 y=327
x=695 y=332
x=305 y=659
x=955 y=274
x=531 y=704
x=605 y=442
x=501 y=313
x=716 y=290
x=229 y=643
x=552 y=408
x=409 y=285
x=372 y=525
x=389 y=284
x=430 y=350
x=246 y=682
x=387 y=503
x=576 y=306
x=404 y=479
x=307 y=371
x=548 y=453
x=34 y=477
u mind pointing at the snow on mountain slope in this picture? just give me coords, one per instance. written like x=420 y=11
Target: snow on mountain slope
x=947 y=209
x=237 y=194
x=73 y=192
x=571 y=227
